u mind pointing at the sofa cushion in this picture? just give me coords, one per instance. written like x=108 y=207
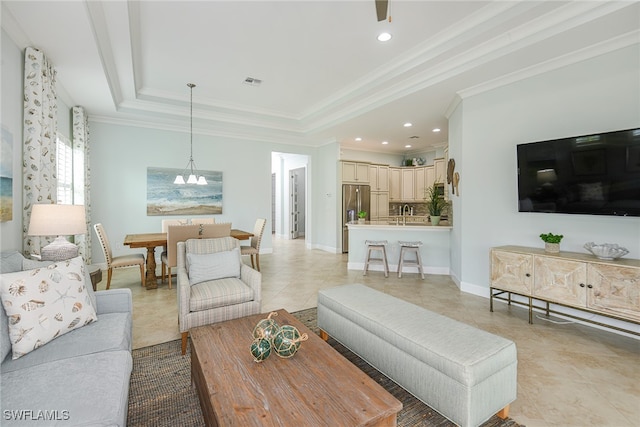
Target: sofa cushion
x=5 y=341
x=10 y=262
x=90 y=390
x=45 y=303
x=213 y=266
x=32 y=264
x=218 y=293
x=111 y=333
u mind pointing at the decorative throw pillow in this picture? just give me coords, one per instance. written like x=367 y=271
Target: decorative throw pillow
x=45 y=303
x=218 y=265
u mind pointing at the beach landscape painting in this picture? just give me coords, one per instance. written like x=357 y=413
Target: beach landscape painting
x=166 y=198
x=6 y=176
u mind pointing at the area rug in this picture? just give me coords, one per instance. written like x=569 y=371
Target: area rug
x=161 y=394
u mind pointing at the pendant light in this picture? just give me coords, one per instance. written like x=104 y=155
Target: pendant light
x=194 y=177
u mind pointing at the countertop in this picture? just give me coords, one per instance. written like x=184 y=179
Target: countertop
x=399 y=223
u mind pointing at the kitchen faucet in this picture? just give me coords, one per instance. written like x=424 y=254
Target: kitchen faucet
x=405 y=209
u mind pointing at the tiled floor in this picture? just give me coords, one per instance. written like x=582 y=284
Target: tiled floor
x=568 y=374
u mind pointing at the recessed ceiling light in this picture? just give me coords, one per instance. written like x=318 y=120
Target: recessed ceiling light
x=385 y=142
x=384 y=37
x=358 y=139
x=407 y=146
x=436 y=130
x=408 y=125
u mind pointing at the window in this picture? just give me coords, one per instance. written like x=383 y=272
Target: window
x=64 y=159
x=70 y=171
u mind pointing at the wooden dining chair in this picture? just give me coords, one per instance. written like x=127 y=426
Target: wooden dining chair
x=254 y=249
x=211 y=220
x=117 y=261
x=212 y=231
x=175 y=234
x=165 y=224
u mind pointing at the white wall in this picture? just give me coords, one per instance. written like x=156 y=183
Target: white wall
x=597 y=95
x=120 y=156
x=327 y=199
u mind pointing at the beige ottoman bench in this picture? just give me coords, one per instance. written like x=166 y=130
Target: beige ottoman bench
x=464 y=373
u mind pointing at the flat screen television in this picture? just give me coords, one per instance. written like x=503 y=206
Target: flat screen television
x=595 y=174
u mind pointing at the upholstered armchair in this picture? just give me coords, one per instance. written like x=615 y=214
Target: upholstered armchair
x=213 y=284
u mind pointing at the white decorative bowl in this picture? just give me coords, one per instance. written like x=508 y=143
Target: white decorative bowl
x=606 y=250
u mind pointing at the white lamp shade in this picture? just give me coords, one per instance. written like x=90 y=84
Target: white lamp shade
x=57 y=220
x=202 y=180
x=179 y=180
x=192 y=179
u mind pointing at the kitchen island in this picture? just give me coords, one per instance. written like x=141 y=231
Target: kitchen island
x=434 y=250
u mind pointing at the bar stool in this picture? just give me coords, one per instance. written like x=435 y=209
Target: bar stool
x=409 y=247
x=376 y=245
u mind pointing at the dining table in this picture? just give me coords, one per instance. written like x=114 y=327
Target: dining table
x=151 y=241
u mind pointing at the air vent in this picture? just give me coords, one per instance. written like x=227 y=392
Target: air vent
x=251 y=81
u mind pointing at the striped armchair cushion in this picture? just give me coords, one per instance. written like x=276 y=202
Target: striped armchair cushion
x=219 y=293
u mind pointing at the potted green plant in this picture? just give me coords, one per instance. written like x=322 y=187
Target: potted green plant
x=435 y=203
x=362 y=215
x=551 y=242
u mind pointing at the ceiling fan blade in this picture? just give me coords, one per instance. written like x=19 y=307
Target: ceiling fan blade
x=381 y=9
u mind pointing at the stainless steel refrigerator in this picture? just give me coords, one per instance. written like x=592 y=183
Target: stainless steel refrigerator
x=355 y=198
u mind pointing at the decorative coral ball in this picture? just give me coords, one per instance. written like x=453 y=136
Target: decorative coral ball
x=260 y=349
x=286 y=341
x=266 y=328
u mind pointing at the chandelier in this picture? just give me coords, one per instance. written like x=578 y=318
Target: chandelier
x=194 y=177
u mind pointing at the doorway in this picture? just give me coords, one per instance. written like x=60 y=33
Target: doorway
x=289 y=199
x=297 y=202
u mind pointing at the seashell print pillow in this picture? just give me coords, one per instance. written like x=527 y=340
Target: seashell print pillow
x=45 y=303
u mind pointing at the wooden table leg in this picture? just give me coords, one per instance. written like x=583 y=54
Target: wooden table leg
x=150 y=279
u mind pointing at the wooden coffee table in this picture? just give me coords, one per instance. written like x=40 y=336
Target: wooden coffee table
x=317 y=386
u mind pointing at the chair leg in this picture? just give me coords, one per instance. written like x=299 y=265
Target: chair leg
x=163 y=271
x=184 y=342
x=109 y=272
x=252 y=265
x=258 y=261
x=142 y=275
x=385 y=263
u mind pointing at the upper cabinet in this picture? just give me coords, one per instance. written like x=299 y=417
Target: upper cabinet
x=355 y=173
x=408 y=184
x=395 y=184
x=379 y=177
x=441 y=170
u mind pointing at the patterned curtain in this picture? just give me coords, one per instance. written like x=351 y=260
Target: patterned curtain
x=40 y=128
x=82 y=176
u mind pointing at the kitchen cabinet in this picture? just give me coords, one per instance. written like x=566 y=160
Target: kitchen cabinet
x=355 y=173
x=424 y=179
x=395 y=184
x=379 y=205
x=420 y=182
x=407 y=189
x=379 y=177
x=440 y=170
x=581 y=281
